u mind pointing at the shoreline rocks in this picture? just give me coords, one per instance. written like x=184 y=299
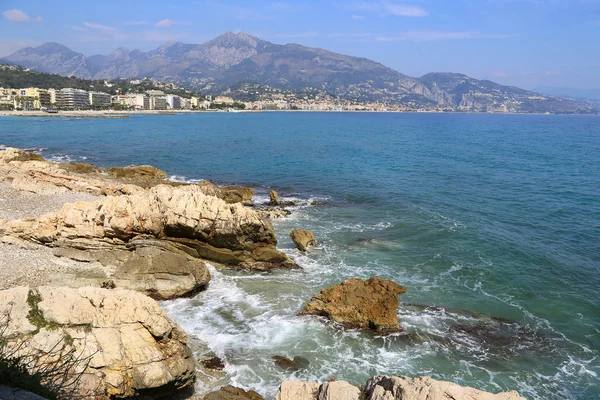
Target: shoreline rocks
x=387 y=388
x=202 y=226
x=105 y=343
x=356 y=303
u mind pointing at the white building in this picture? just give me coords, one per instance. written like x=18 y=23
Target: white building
x=174 y=101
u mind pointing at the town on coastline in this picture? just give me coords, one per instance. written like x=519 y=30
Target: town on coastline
x=153 y=95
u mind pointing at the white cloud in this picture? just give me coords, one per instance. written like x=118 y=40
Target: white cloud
x=415 y=36
x=428 y=36
x=165 y=23
x=135 y=23
x=98 y=26
x=404 y=11
x=358 y=17
x=77 y=28
x=385 y=7
x=19 y=16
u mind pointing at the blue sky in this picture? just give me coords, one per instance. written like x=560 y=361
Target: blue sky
x=525 y=43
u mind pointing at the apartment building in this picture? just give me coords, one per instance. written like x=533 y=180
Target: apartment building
x=72 y=99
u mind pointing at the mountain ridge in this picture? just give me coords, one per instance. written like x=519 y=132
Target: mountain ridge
x=214 y=66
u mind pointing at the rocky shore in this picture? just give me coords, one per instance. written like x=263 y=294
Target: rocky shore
x=85 y=251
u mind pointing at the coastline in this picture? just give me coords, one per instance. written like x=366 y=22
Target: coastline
x=110 y=114
x=25 y=204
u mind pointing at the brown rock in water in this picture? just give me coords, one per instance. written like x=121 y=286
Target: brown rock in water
x=274 y=198
x=106 y=343
x=232 y=393
x=296 y=364
x=426 y=388
x=214 y=363
x=302 y=239
x=356 y=303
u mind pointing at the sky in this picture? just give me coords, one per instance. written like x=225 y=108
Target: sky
x=524 y=43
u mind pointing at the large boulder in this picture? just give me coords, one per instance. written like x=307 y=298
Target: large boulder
x=203 y=226
x=98 y=343
x=336 y=390
x=357 y=303
x=302 y=239
x=233 y=393
x=153 y=267
x=426 y=388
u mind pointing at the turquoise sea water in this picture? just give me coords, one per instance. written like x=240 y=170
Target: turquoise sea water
x=491 y=220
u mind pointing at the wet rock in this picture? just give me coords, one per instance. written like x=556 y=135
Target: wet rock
x=356 y=303
x=302 y=239
x=274 y=198
x=426 y=388
x=274 y=213
x=296 y=364
x=106 y=343
x=213 y=363
x=232 y=393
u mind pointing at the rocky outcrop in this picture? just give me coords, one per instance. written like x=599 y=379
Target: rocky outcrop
x=356 y=303
x=233 y=393
x=153 y=267
x=387 y=388
x=337 y=390
x=104 y=343
x=426 y=388
x=200 y=225
x=302 y=239
x=30 y=172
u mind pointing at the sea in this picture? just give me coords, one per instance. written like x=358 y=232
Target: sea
x=492 y=222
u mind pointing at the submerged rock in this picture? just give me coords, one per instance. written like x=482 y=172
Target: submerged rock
x=213 y=363
x=426 y=388
x=233 y=393
x=296 y=364
x=101 y=343
x=356 y=303
x=302 y=239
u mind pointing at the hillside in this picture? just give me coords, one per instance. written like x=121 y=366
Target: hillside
x=218 y=65
x=19 y=77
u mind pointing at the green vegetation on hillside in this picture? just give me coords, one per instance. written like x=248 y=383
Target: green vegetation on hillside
x=18 y=78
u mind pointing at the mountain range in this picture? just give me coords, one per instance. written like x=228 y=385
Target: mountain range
x=215 y=66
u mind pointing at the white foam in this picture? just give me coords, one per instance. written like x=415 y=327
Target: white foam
x=184 y=179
